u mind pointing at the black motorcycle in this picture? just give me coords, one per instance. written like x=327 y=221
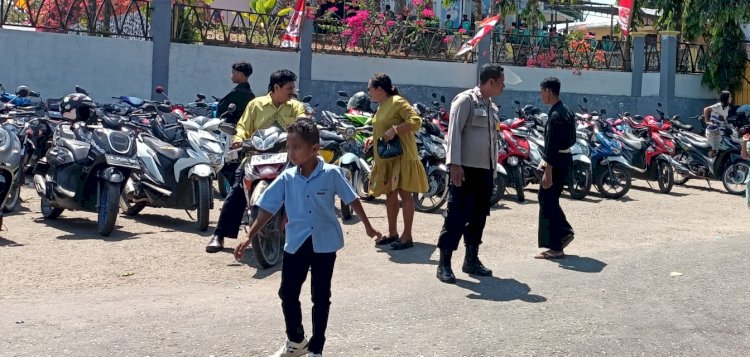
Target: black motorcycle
x=86 y=169
x=432 y=149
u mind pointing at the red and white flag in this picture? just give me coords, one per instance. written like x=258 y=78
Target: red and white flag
x=625 y=15
x=485 y=27
x=290 y=38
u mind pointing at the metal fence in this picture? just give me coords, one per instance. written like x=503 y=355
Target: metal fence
x=220 y=27
x=108 y=18
x=691 y=58
x=390 y=39
x=560 y=52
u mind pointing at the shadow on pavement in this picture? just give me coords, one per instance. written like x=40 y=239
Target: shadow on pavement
x=83 y=229
x=172 y=224
x=248 y=260
x=492 y=288
x=9 y=243
x=421 y=253
x=655 y=189
x=581 y=264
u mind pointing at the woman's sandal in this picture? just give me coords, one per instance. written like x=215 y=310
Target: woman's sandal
x=387 y=240
x=401 y=245
x=548 y=255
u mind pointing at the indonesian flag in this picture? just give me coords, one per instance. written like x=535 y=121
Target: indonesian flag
x=626 y=8
x=290 y=39
x=484 y=28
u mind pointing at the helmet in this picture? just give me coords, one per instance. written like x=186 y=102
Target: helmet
x=359 y=101
x=23 y=91
x=76 y=107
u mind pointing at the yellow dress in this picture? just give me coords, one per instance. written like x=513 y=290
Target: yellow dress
x=404 y=171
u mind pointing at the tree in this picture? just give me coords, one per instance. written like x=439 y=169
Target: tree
x=718 y=22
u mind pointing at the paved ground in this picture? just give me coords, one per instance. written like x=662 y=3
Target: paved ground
x=149 y=289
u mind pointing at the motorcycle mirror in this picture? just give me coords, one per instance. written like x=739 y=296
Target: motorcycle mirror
x=159 y=89
x=622 y=105
x=201 y=96
x=81 y=90
x=307 y=99
x=341 y=103
x=343 y=94
x=627 y=114
x=442 y=99
x=517 y=102
x=434 y=95
x=215 y=98
x=603 y=112
x=659 y=105
x=228 y=129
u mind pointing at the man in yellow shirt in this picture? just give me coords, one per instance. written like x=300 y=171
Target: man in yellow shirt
x=277 y=108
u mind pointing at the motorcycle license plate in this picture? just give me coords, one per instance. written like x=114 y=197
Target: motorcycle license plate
x=122 y=161
x=268 y=159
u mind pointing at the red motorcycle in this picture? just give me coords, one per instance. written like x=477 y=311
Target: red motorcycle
x=513 y=151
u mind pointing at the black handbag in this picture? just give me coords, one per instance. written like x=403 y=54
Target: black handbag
x=389 y=149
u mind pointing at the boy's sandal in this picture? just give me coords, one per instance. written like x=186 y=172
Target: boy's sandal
x=548 y=255
x=386 y=240
x=400 y=245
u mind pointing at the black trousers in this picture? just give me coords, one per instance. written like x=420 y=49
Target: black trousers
x=468 y=208
x=293 y=274
x=234 y=207
x=553 y=226
x=229 y=171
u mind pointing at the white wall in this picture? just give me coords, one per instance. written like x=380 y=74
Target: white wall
x=207 y=69
x=689 y=86
x=650 y=85
x=403 y=72
x=54 y=63
x=589 y=82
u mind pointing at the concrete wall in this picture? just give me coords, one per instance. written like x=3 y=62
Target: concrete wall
x=207 y=69
x=54 y=63
x=689 y=86
x=651 y=83
x=404 y=72
x=601 y=82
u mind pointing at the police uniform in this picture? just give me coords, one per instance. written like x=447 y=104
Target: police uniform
x=472 y=144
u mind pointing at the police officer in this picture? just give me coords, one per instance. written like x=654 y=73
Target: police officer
x=472 y=157
x=277 y=108
x=555 y=233
x=239 y=96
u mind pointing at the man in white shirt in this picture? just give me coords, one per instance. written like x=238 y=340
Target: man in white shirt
x=714 y=114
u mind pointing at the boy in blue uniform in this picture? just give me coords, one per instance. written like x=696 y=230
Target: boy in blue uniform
x=313 y=233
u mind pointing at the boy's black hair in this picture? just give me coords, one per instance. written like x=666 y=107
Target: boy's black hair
x=553 y=84
x=243 y=67
x=281 y=77
x=306 y=129
x=490 y=71
x=724 y=97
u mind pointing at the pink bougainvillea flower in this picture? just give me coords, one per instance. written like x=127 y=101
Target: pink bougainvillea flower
x=462 y=30
x=381 y=16
x=447 y=40
x=428 y=13
x=332 y=9
x=390 y=23
x=419 y=22
x=417 y=2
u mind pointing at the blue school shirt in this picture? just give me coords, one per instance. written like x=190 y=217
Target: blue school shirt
x=310 y=204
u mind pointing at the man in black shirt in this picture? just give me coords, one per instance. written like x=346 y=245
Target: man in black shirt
x=555 y=233
x=239 y=96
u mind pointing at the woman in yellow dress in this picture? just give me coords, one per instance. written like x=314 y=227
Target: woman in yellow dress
x=400 y=176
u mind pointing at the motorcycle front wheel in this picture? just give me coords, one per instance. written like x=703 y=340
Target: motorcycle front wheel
x=108 y=207
x=49 y=212
x=517 y=177
x=436 y=195
x=666 y=177
x=203 y=196
x=614 y=182
x=14 y=196
x=734 y=177
x=497 y=190
x=268 y=245
x=679 y=179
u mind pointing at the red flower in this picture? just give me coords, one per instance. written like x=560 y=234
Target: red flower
x=428 y=13
x=462 y=30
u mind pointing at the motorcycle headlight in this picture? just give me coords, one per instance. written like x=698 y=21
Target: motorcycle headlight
x=513 y=161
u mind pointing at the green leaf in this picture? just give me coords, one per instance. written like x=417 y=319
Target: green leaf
x=284 y=12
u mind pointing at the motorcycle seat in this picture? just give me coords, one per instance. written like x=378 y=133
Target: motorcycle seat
x=636 y=144
x=162 y=148
x=697 y=140
x=329 y=145
x=682 y=125
x=330 y=136
x=78 y=149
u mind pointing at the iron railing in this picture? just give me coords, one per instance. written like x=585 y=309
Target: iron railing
x=691 y=58
x=108 y=18
x=220 y=27
x=390 y=39
x=559 y=52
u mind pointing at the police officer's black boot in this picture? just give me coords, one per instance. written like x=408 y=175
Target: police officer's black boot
x=472 y=265
x=215 y=245
x=444 y=270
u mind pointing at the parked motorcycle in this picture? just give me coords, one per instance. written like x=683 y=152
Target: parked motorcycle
x=87 y=167
x=10 y=167
x=513 y=150
x=432 y=150
x=611 y=171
